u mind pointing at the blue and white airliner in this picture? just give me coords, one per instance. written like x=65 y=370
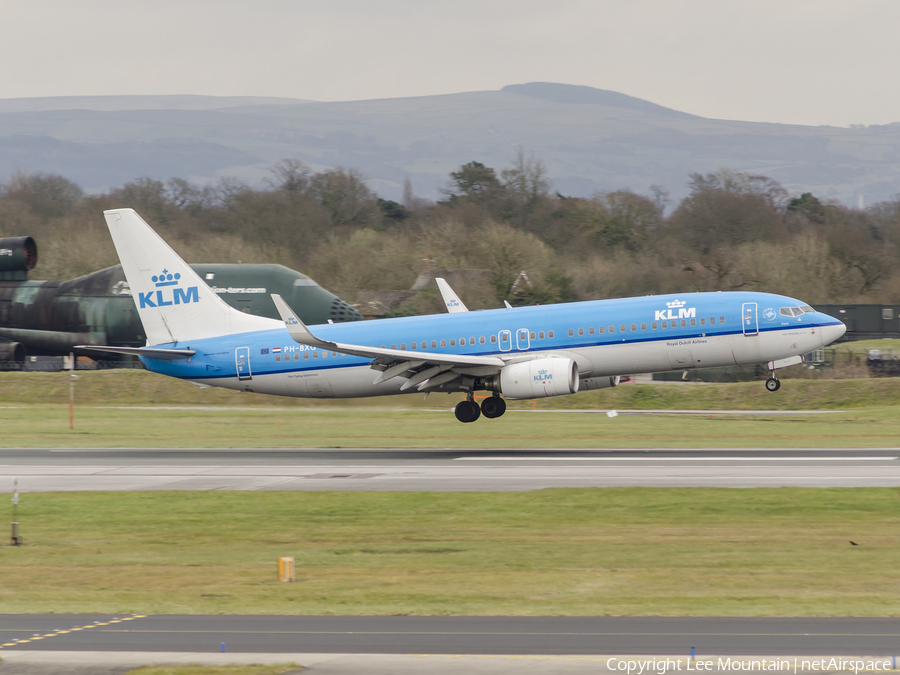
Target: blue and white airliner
x=514 y=353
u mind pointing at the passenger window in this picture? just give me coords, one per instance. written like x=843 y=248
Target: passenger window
x=504 y=337
x=334 y=354
x=571 y=332
x=393 y=346
x=453 y=342
x=721 y=319
x=434 y=344
x=278 y=357
x=633 y=327
x=665 y=324
x=712 y=320
x=581 y=331
x=693 y=322
x=531 y=335
x=702 y=321
x=306 y=355
x=601 y=330
x=481 y=340
x=622 y=328
x=403 y=346
x=683 y=323
x=612 y=329
x=443 y=343
x=324 y=355
x=653 y=325
x=541 y=335
x=550 y=334
x=462 y=342
x=296 y=356
x=315 y=355
x=413 y=345
x=643 y=326
x=471 y=341
x=493 y=339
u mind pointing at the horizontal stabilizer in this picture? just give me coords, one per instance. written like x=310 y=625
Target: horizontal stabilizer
x=152 y=352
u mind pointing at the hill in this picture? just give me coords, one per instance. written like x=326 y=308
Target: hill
x=590 y=139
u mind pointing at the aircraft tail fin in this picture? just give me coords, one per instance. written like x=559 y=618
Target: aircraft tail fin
x=173 y=302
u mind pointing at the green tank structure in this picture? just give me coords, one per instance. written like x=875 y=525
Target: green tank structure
x=48 y=318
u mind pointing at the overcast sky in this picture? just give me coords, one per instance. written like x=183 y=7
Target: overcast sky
x=796 y=61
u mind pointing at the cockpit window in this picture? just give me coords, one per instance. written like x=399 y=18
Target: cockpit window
x=796 y=311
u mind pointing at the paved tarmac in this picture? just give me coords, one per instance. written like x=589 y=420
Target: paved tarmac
x=466 y=635
x=41 y=470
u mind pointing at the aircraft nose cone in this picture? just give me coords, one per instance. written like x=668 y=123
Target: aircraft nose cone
x=831 y=333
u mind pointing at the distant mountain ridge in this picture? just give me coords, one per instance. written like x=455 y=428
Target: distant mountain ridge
x=574 y=93
x=591 y=140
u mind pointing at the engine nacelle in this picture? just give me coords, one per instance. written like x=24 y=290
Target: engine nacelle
x=11 y=352
x=17 y=254
x=589 y=383
x=537 y=379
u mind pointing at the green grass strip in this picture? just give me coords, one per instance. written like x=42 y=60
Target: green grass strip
x=621 y=551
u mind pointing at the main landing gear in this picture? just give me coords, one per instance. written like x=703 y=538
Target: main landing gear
x=468 y=410
x=773 y=383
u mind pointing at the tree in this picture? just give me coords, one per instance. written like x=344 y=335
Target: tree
x=345 y=195
x=474 y=182
x=526 y=185
x=46 y=194
x=290 y=175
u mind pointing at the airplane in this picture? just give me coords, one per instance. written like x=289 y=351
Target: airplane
x=51 y=317
x=514 y=353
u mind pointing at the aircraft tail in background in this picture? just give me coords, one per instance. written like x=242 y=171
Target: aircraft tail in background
x=174 y=304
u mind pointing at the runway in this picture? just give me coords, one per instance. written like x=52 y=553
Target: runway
x=44 y=470
x=451 y=635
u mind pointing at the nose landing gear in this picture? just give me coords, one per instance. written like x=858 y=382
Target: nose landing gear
x=773 y=384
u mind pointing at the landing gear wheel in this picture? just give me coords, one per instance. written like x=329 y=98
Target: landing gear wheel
x=493 y=407
x=773 y=384
x=467 y=411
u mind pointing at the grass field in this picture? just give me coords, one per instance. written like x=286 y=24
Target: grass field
x=617 y=551
x=140 y=409
x=261 y=427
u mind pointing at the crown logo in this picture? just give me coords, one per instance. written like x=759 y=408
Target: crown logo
x=165 y=279
x=675 y=304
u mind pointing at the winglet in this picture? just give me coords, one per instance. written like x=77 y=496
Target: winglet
x=451 y=299
x=296 y=327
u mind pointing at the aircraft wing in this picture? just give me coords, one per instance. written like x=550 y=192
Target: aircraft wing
x=152 y=352
x=423 y=369
x=451 y=299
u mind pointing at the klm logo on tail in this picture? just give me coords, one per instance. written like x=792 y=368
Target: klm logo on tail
x=168 y=292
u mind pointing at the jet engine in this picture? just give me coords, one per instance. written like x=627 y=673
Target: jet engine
x=539 y=378
x=11 y=352
x=17 y=254
x=589 y=383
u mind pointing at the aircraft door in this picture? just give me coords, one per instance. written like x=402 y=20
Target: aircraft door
x=242 y=363
x=505 y=340
x=522 y=341
x=750 y=319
